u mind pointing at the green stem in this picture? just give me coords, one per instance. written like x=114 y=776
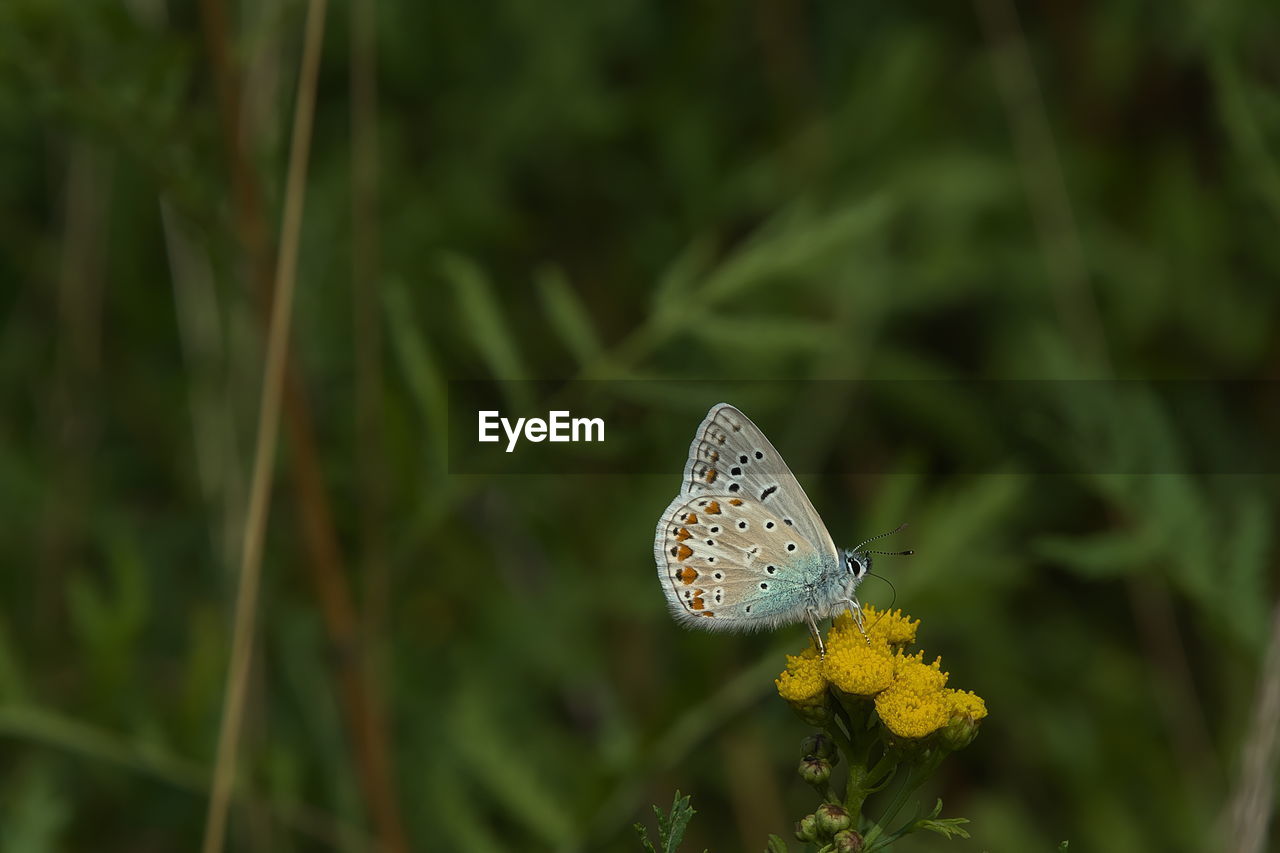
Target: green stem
x=842 y=740
x=858 y=733
x=842 y=714
x=883 y=772
x=885 y=765
x=912 y=782
x=857 y=746
x=855 y=795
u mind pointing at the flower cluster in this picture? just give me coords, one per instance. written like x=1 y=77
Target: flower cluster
x=911 y=697
x=888 y=714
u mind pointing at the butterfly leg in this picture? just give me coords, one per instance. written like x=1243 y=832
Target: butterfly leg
x=856 y=609
x=811 y=617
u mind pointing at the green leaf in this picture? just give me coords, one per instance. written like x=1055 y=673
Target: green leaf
x=671 y=831
x=13 y=686
x=567 y=315
x=1062 y=848
x=461 y=814
x=671 y=826
x=506 y=773
x=482 y=315
x=947 y=826
x=776 y=845
x=1242 y=579
x=1103 y=555
x=36 y=814
x=794 y=239
x=771 y=335
x=422 y=371
x=672 y=290
x=644 y=837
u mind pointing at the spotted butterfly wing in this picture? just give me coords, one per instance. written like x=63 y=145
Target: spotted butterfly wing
x=741 y=547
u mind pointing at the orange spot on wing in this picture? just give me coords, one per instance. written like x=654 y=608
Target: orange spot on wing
x=682 y=534
x=710 y=475
x=691 y=518
x=735 y=502
x=684 y=552
x=712 y=508
x=688 y=574
x=708 y=613
x=714 y=456
x=697 y=603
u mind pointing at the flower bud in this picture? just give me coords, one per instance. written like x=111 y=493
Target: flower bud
x=846 y=841
x=959 y=732
x=966 y=710
x=819 y=746
x=832 y=818
x=807 y=828
x=815 y=771
x=815 y=711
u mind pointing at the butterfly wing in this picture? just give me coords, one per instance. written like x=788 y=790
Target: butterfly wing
x=730 y=563
x=730 y=455
x=741 y=547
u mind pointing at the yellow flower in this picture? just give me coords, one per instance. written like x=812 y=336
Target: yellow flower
x=916 y=704
x=966 y=704
x=891 y=626
x=911 y=697
x=803 y=681
x=854 y=665
x=966 y=709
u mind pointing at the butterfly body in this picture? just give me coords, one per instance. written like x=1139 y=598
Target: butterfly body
x=741 y=548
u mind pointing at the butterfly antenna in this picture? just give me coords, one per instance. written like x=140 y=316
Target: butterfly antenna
x=881 y=536
x=893 y=599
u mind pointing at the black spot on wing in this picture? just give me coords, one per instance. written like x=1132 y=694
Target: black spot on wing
x=768 y=492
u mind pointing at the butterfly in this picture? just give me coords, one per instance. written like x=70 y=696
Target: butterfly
x=741 y=548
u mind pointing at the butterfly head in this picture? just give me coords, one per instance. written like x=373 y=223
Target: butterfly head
x=856 y=563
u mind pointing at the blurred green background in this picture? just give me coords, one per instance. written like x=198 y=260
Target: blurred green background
x=713 y=191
